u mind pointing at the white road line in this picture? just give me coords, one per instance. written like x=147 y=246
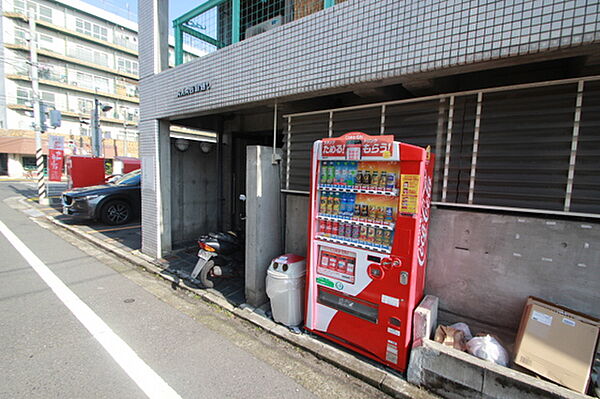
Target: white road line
x=148 y=381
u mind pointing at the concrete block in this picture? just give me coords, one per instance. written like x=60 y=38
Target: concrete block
x=425 y=319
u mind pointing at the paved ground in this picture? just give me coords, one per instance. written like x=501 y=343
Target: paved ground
x=196 y=349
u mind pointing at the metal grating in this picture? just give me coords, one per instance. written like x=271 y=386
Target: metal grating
x=361 y=120
x=524 y=147
x=306 y=130
x=586 y=182
x=534 y=146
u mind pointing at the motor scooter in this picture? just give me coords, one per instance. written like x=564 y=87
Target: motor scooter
x=220 y=255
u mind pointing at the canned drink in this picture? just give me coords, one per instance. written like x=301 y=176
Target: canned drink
x=366 y=179
x=382 y=180
x=337 y=203
x=375 y=180
x=328 y=228
x=323 y=204
x=355 y=232
x=378 y=236
x=363 y=233
x=387 y=238
x=390 y=185
x=334 y=228
x=324 y=172
x=329 y=205
x=342 y=230
x=358 y=179
x=364 y=211
x=380 y=214
x=356 y=211
x=348 y=231
x=389 y=214
x=373 y=213
x=322 y=226
x=371 y=234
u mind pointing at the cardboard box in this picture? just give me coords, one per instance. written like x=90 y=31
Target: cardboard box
x=557 y=343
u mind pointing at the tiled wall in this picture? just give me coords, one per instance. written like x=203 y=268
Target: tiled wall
x=369 y=40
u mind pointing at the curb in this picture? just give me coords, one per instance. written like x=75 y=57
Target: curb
x=387 y=382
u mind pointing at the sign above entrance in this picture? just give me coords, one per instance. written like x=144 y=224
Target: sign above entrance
x=197 y=88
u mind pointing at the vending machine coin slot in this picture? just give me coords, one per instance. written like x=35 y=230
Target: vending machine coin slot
x=404 y=278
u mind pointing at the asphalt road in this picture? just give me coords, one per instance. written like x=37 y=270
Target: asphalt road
x=78 y=323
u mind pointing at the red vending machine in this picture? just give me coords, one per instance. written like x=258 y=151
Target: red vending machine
x=369 y=216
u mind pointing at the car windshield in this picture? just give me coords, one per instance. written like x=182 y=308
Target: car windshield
x=129 y=179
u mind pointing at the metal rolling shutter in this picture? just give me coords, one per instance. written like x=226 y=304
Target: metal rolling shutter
x=419 y=124
x=303 y=131
x=366 y=120
x=586 y=183
x=524 y=147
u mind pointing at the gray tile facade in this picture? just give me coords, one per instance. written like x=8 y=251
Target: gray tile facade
x=362 y=41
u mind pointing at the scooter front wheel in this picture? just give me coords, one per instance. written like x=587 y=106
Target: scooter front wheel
x=205 y=274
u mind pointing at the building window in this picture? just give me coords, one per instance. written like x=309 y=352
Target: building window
x=87 y=54
x=101 y=84
x=23 y=96
x=91 y=29
x=85 y=105
x=46 y=42
x=20 y=37
x=45 y=13
x=49 y=99
x=101 y=58
x=128 y=66
x=19 y=6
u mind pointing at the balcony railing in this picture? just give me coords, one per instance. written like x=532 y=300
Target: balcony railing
x=218 y=23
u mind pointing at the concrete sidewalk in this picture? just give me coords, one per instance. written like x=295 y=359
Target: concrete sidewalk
x=227 y=297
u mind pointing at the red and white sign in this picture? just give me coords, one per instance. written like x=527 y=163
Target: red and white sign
x=56 y=153
x=370 y=146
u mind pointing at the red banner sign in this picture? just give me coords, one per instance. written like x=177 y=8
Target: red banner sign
x=370 y=146
x=55 y=157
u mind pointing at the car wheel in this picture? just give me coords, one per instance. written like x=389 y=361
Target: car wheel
x=116 y=212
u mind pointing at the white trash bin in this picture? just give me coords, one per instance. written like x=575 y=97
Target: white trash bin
x=285 y=288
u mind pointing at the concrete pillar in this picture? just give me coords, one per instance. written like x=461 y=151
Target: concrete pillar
x=155 y=153
x=264 y=220
x=15 y=165
x=153 y=17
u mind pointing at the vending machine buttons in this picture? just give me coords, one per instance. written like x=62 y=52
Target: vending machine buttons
x=375 y=272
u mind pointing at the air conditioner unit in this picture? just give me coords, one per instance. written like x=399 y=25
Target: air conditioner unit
x=264 y=26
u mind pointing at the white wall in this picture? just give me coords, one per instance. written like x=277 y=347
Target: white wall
x=15 y=167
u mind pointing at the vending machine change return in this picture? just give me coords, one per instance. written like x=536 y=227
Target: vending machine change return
x=369 y=217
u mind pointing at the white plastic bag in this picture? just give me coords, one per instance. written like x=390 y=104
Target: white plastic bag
x=488 y=348
x=464 y=328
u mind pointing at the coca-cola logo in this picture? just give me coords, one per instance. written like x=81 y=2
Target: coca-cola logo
x=424 y=223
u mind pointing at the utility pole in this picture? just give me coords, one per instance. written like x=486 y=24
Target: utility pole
x=95 y=126
x=97 y=146
x=37 y=112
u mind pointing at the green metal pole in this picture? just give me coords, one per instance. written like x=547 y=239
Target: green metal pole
x=235 y=21
x=328 y=3
x=178 y=44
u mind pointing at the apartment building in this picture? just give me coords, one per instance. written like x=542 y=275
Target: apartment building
x=84 y=53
